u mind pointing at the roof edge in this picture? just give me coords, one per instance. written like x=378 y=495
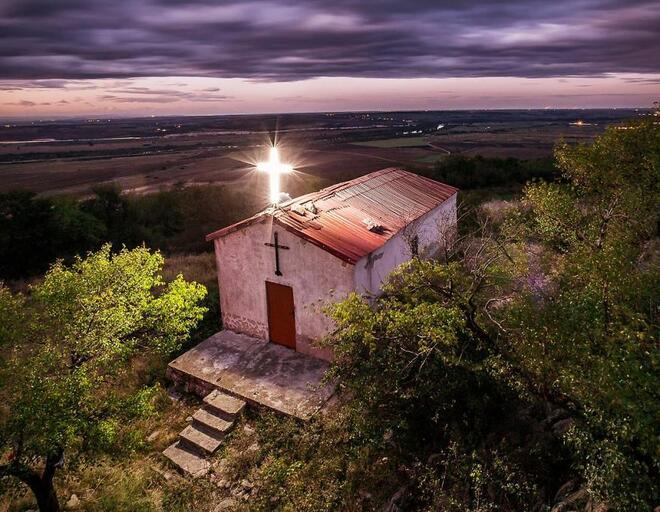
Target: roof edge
x=320 y=245
x=259 y=217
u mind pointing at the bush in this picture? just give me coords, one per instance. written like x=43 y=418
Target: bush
x=482 y=172
x=36 y=231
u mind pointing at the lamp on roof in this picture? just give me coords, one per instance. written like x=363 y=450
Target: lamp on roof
x=274 y=168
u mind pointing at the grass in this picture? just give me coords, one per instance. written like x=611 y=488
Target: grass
x=139 y=480
x=431 y=159
x=399 y=142
x=143 y=481
x=194 y=267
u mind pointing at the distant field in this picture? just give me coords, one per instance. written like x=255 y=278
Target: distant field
x=149 y=154
x=431 y=159
x=399 y=142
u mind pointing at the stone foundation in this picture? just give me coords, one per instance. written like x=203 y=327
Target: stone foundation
x=245 y=325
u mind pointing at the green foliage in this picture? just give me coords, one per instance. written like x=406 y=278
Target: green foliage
x=322 y=466
x=35 y=231
x=587 y=335
x=482 y=172
x=525 y=360
x=67 y=382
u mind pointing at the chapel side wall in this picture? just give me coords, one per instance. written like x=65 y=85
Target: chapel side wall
x=434 y=229
x=316 y=277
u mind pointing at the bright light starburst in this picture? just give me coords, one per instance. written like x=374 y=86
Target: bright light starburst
x=274 y=168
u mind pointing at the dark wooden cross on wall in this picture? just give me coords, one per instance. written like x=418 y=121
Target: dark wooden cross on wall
x=277 y=247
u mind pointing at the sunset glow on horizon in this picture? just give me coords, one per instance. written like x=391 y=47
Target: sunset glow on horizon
x=157 y=57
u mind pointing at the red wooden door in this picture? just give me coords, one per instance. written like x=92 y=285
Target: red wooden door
x=281 y=314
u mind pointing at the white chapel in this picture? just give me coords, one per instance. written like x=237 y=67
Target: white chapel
x=277 y=269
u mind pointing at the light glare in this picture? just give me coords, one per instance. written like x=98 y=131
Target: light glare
x=274 y=168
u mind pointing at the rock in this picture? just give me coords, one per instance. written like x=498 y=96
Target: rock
x=153 y=435
x=74 y=502
x=574 y=501
x=221 y=483
x=174 y=394
x=165 y=474
x=393 y=504
x=565 y=490
x=226 y=504
x=254 y=447
x=245 y=484
x=554 y=416
x=189 y=419
x=562 y=426
x=248 y=429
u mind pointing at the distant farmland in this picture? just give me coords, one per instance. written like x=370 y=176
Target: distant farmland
x=399 y=142
x=151 y=154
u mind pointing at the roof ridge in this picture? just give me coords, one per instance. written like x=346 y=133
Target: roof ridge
x=338 y=225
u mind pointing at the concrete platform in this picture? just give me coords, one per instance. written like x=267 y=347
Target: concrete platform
x=260 y=372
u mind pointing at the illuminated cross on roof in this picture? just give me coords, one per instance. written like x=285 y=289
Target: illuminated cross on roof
x=274 y=168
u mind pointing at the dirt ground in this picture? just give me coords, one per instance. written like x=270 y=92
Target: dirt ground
x=145 y=173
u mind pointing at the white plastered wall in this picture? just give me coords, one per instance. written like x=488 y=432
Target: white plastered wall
x=245 y=264
x=433 y=230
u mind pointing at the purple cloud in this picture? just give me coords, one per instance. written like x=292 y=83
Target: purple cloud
x=277 y=40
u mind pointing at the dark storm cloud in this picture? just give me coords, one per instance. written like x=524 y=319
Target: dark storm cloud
x=282 y=40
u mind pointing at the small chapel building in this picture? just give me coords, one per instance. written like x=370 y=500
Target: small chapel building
x=280 y=267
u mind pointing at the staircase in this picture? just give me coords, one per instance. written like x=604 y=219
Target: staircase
x=204 y=435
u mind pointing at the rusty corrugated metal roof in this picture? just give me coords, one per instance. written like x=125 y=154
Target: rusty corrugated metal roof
x=338 y=218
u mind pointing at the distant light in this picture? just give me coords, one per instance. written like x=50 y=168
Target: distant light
x=274 y=168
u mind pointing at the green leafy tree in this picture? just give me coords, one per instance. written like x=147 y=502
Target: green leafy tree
x=69 y=344
x=116 y=213
x=559 y=307
x=583 y=325
x=25 y=238
x=34 y=231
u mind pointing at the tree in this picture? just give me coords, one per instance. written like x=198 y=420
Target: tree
x=25 y=238
x=69 y=346
x=34 y=231
x=116 y=213
x=558 y=305
x=583 y=326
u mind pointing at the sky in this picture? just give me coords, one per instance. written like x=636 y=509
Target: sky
x=67 y=58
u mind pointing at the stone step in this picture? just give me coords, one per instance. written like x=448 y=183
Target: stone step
x=186 y=460
x=212 y=422
x=223 y=404
x=195 y=438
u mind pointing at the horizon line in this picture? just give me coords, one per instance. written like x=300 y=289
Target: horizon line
x=84 y=117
